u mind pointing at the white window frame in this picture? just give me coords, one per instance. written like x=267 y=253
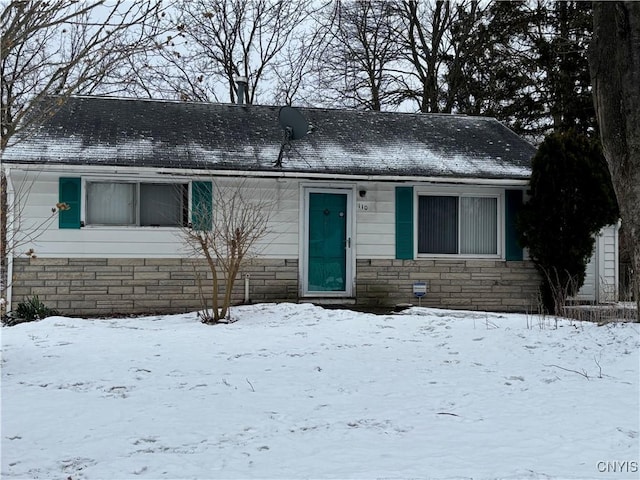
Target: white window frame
x=474 y=192
x=137 y=182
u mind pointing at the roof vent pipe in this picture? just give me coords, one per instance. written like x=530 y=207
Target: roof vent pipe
x=242 y=87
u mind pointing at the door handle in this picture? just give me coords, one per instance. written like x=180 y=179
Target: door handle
x=349 y=242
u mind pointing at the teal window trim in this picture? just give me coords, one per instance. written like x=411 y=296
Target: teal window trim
x=201 y=205
x=69 y=202
x=404 y=223
x=512 y=205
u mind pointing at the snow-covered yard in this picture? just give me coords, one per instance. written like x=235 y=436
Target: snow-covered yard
x=297 y=391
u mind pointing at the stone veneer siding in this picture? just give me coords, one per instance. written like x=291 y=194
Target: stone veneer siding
x=95 y=286
x=101 y=286
x=494 y=285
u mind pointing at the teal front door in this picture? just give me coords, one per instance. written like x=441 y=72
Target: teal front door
x=327 y=247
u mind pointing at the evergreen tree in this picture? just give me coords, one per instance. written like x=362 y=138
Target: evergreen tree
x=525 y=63
x=562 y=55
x=571 y=199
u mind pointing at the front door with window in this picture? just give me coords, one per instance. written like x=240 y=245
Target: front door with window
x=328 y=243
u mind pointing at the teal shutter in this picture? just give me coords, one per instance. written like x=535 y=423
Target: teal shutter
x=513 y=203
x=404 y=223
x=69 y=194
x=201 y=205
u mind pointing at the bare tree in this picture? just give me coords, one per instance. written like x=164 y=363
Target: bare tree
x=293 y=75
x=615 y=75
x=297 y=76
x=62 y=48
x=354 y=65
x=49 y=51
x=399 y=52
x=214 y=42
x=240 y=219
x=424 y=26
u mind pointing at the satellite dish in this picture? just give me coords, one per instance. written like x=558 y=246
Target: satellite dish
x=293 y=123
x=295 y=127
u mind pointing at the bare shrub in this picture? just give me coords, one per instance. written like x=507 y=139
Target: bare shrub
x=240 y=218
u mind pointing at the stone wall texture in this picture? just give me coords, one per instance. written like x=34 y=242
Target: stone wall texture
x=100 y=286
x=494 y=285
x=103 y=287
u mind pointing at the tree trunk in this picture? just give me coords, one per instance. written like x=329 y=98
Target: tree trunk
x=614 y=61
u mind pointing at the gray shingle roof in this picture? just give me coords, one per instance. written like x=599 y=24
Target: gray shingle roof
x=166 y=134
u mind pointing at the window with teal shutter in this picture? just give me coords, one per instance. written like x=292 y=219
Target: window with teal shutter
x=513 y=203
x=201 y=205
x=404 y=223
x=69 y=194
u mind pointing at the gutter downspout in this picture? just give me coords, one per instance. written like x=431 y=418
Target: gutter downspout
x=10 y=238
x=247 y=297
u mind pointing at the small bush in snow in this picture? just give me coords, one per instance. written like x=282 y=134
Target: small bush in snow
x=31 y=310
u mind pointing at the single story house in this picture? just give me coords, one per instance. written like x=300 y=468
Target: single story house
x=373 y=208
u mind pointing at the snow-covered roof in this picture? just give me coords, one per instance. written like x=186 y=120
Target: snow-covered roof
x=187 y=135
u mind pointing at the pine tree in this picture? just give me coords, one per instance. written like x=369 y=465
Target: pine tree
x=571 y=199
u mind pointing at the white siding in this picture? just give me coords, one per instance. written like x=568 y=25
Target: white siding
x=608 y=268
x=601 y=282
x=374 y=228
x=38 y=194
x=375 y=221
x=588 y=289
x=374 y=225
